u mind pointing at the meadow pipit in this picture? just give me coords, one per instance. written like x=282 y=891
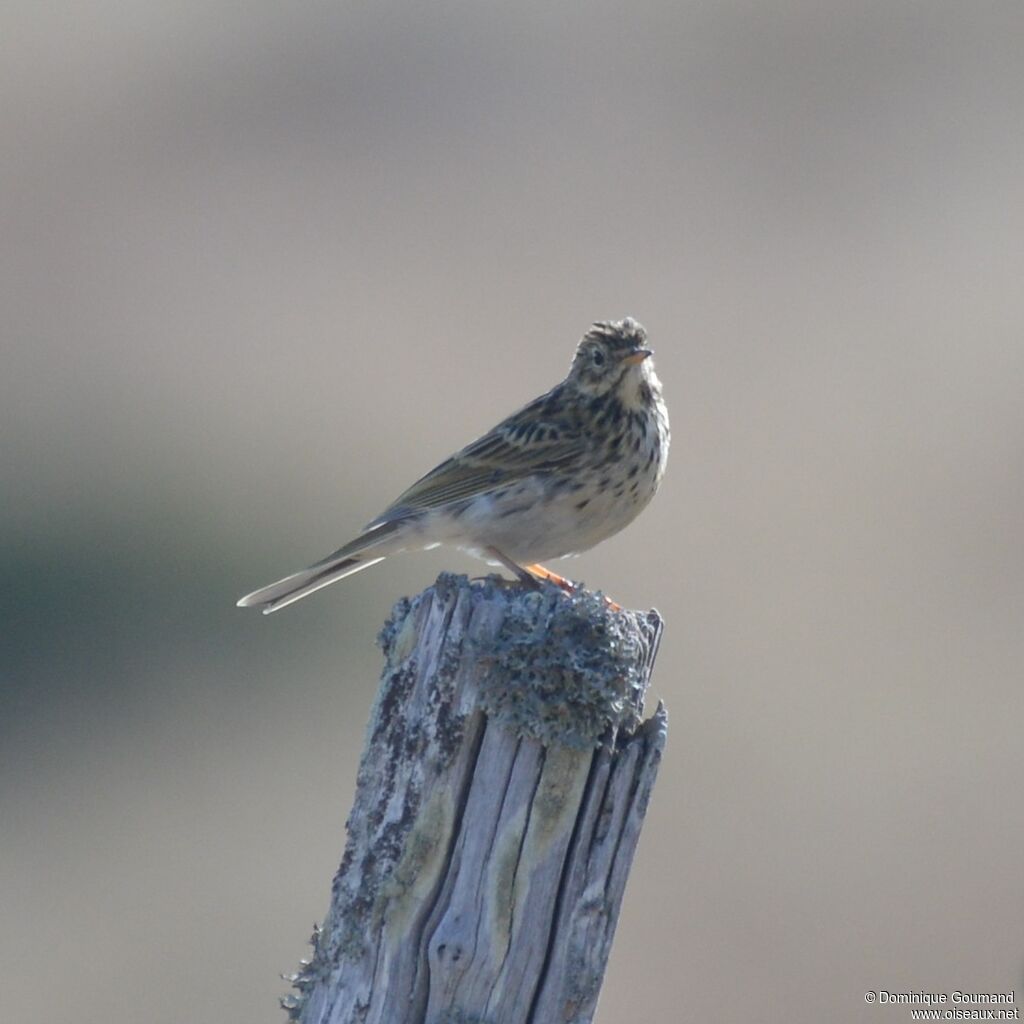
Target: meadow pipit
x=557 y=477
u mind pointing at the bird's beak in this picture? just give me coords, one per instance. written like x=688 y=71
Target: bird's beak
x=638 y=356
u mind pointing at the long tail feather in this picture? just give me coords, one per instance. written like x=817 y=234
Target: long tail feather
x=367 y=549
x=301 y=584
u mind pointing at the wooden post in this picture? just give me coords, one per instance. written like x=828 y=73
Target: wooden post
x=498 y=803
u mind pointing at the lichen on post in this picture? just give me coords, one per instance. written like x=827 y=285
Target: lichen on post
x=498 y=803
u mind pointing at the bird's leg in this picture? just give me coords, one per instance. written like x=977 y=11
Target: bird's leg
x=531 y=575
x=567 y=585
x=524 y=575
x=540 y=572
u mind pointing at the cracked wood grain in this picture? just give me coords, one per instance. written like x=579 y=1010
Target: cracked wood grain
x=499 y=800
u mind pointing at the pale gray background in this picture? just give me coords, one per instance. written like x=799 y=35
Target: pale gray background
x=263 y=264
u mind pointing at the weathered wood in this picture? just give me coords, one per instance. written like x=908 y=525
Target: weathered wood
x=498 y=804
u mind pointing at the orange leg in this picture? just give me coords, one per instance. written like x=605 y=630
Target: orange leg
x=540 y=572
x=567 y=585
x=530 y=574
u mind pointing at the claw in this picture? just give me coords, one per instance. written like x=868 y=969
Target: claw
x=531 y=575
x=567 y=585
x=552 y=577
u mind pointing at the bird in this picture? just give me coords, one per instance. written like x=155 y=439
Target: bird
x=560 y=475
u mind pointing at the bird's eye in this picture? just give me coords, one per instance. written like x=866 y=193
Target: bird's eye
x=597 y=357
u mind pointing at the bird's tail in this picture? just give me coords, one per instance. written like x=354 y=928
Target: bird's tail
x=364 y=551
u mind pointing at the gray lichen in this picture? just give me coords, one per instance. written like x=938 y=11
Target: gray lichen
x=564 y=668
x=310 y=972
x=399 y=613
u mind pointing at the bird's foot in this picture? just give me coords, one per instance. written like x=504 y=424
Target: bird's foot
x=540 y=572
x=533 y=575
x=523 y=575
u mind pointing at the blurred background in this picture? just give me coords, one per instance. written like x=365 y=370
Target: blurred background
x=265 y=264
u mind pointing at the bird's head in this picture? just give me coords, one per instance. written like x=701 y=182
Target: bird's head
x=613 y=354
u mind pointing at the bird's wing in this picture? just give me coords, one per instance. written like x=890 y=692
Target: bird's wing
x=530 y=441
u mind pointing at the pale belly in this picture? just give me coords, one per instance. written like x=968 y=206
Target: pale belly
x=531 y=524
